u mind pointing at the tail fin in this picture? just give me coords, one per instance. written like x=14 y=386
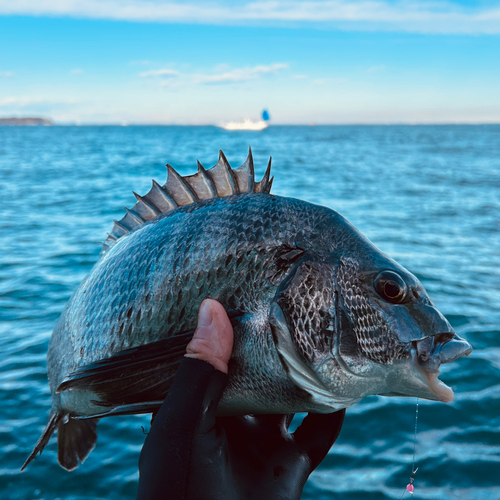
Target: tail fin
x=75 y=439
x=54 y=419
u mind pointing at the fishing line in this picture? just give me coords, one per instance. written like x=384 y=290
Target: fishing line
x=409 y=486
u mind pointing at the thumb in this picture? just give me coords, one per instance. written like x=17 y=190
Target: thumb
x=213 y=339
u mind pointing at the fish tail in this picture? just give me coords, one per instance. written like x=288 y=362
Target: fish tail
x=75 y=439
x=54 y=418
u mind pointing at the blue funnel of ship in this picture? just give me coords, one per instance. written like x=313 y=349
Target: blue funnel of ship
x=265 y=115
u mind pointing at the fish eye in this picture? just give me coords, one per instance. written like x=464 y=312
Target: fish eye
x=390 y=286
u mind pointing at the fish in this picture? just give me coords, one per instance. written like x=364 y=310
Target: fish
x=321 y=317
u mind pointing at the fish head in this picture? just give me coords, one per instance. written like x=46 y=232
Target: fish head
x=352 y=323
x=390 y=339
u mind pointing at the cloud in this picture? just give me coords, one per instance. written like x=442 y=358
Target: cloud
x=239 y=75
x=159 y=72
x=18 y=101
x=76 y=71
x=23 y=102
x=439 y=16
x=6 y=74
x=222 y=74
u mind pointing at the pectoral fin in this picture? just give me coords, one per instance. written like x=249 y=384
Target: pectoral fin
x=133 y=377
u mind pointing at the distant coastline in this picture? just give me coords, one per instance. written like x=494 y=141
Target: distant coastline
x=30 y=121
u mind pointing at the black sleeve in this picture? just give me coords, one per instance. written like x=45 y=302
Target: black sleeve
x=190 y=403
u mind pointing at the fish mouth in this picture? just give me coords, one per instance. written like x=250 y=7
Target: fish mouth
x=430 y=353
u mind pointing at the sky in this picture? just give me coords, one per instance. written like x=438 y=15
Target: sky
x=322 y=62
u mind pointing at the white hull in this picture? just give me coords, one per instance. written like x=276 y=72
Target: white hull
x=245 y=125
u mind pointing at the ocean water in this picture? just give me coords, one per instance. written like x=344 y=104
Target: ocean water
x=429 y=196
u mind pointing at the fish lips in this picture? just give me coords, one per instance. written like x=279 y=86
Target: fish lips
x=430 y=353
x=431 y=335
x=434 y=351
x=433 y=342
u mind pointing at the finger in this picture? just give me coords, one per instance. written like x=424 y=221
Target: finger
x=317 y=433
x=289 y=418
x=213 y=339
x=187 y=414
x=281 y=422
x=153 y=415
x=241 y=425
x=188 y=411
x=191 y=399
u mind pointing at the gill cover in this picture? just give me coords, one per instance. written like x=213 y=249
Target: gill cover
x=301 y=374
x=303 y=328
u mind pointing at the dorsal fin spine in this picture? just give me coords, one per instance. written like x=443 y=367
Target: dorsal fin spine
x=147 y=205
x=165 y=198
x=167 y=195
x=178 y=189
x=126 y=229
x=263 y=186
x=229 y=170
x=210 y=183
x=129 y=222
x=216 y=182
x=245 y=174
x=251 y=170
x=201 y=184
x=221 y=175
x=135 y=215
x=269 y=185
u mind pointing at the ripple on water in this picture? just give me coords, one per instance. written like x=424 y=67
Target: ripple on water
x=428 y=196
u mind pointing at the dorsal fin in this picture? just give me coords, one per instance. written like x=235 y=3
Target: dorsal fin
x=217 y=182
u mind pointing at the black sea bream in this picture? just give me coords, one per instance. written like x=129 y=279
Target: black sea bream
x=321 y=317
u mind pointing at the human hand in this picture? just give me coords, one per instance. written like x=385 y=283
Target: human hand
x=190 y=454
x=213 y=339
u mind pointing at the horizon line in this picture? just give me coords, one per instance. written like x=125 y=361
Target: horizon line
x=311 y=124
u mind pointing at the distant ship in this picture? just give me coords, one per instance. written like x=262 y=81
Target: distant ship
x=247 y=124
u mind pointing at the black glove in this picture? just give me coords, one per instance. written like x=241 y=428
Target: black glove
x=190 y=454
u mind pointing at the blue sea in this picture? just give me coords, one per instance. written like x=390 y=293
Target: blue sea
x=429 y=196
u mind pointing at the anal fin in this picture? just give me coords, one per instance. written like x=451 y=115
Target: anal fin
x=75 y=440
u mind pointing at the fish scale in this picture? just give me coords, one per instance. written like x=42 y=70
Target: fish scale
x=170 y=297
x=316 y=328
